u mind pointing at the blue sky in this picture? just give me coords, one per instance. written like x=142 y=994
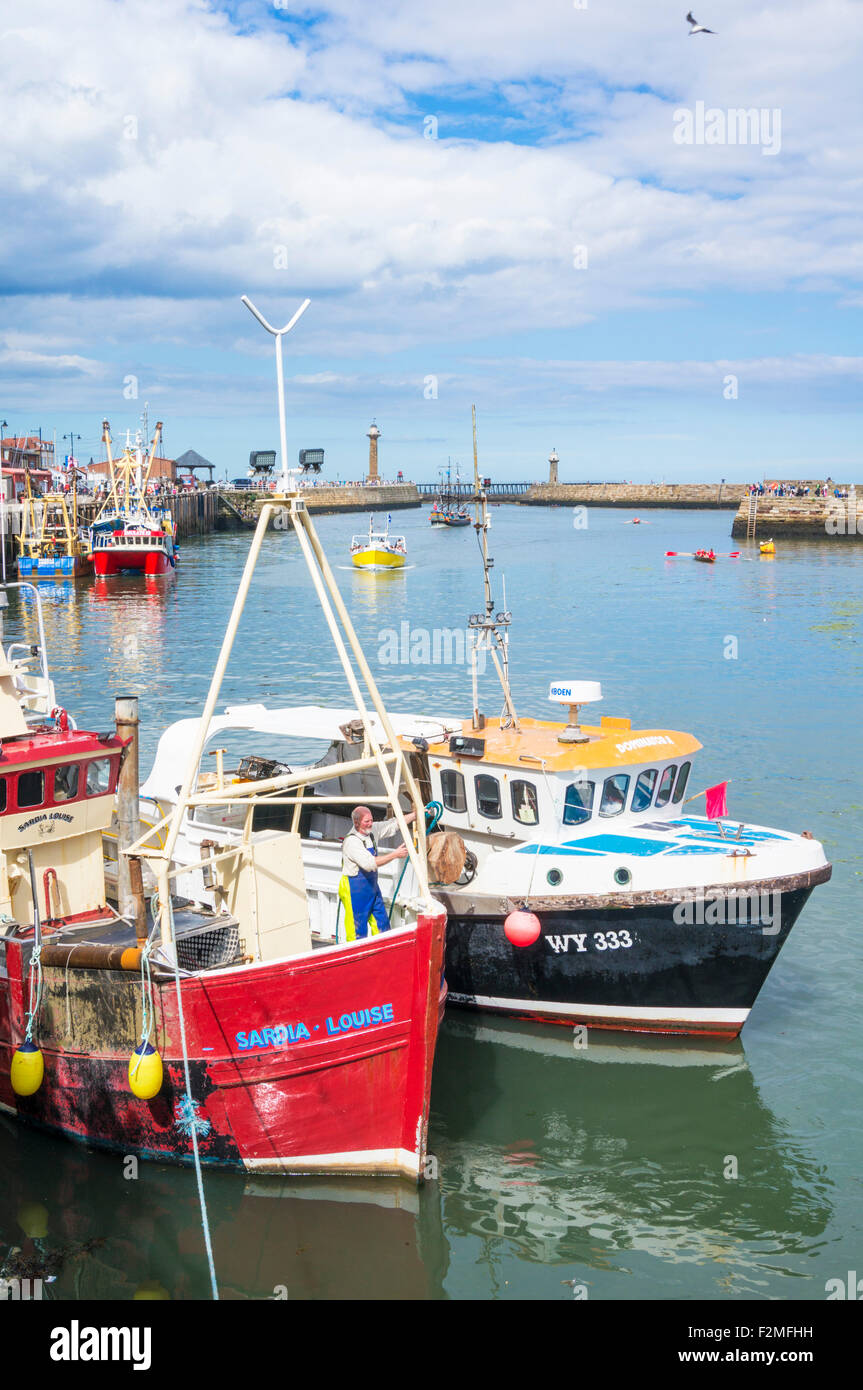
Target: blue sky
x=485 y=203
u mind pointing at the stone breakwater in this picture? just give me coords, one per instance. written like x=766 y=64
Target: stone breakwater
x=698 y=496
x=807 y=517
x=386 y=497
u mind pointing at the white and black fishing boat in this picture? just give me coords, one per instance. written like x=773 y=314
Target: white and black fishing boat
x=586 y=891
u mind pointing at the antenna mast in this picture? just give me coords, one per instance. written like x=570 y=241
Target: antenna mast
x=287 y=482
x=485 y=627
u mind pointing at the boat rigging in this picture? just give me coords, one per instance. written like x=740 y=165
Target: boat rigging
x=490 y=630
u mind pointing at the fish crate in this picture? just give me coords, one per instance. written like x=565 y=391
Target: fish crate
x=207 y=947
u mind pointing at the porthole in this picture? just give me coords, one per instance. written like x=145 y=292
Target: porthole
x=623 y=877
x=554 y=877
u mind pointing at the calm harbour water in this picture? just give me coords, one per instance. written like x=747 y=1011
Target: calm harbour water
x=604 y=1166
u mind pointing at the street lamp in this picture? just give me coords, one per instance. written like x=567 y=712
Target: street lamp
x=71 y=438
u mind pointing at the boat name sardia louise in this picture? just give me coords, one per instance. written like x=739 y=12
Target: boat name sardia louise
x=296 y=1032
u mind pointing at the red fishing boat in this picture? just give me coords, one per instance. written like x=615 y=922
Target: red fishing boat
x=320 y=1063
x=129 y=536
x=238 y=1036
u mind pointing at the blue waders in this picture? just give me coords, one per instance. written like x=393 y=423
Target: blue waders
x=361 y=899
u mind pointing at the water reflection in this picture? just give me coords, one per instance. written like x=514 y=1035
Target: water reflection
x=142 y=1237
x=628 y=1146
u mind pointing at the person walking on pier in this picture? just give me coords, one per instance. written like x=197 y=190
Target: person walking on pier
x=359 y=890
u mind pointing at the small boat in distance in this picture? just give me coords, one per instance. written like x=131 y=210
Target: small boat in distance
x=129 y=536
x=707 y=557
x=378 y=550
x=767 y=547
x=447 y=508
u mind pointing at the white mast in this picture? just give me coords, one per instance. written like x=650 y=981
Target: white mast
x=486 y=636
x=383 y=748
x=285 y=481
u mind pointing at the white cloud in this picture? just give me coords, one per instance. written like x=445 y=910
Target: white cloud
x=155 y=169
x=229 y=164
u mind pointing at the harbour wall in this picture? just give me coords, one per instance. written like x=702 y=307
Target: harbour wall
x=807 y=517
x=386 y=497
x=194 y=513
x=700 y=496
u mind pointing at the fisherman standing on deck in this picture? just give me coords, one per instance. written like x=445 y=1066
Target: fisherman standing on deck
x=359 y=891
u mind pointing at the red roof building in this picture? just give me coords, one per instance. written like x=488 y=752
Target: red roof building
x=22 y=454
x=162 y=469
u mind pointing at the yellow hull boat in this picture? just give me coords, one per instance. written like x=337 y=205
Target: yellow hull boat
x=378 y=550
x=374 y=558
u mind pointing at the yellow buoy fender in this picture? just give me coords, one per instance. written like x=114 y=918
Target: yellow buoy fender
x=151 y=1290
x=27 y=1070
x=33 y=1220
x=145 y=1072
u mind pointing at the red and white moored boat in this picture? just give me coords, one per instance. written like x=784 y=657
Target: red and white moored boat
x=129 y=536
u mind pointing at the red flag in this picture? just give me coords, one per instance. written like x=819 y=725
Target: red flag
x=716 y=806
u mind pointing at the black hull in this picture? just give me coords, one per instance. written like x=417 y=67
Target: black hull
x=634 y=968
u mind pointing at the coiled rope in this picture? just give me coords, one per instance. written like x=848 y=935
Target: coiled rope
x=434 y=811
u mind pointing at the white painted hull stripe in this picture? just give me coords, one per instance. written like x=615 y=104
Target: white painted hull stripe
x=401 y=1160
x=640 y=1015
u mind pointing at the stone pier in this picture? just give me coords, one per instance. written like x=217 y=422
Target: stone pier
x=807 y=517
x=698 y=496
x=386 y=497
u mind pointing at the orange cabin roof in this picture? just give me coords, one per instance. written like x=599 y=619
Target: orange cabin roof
x=614 y=743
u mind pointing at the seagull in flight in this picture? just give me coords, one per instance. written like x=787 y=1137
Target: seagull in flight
x=695 y=27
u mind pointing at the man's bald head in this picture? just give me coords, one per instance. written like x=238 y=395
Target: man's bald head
x=359 y=815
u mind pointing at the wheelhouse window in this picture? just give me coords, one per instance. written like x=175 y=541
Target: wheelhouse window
x=99 y=777
x=66 y=782
x=525 y=807
x=682 y=779
x=614 y=793
x=666 y=782
x=452 y=791
x=643 y=794
x=578 y=803
x=31 y=789
x=487 y=796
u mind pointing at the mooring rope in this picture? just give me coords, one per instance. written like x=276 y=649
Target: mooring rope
x=190 y=1121
x=148 y=1012
x=35 y=966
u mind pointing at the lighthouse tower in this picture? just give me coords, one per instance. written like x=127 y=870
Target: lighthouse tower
x=553 y=461
x=374 y=435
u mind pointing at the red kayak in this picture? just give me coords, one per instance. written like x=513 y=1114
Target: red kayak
x=706 y=557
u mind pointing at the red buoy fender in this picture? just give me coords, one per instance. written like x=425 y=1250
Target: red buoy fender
x=522 y=928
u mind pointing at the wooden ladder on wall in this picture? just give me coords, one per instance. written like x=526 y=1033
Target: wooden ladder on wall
x=752 y=516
